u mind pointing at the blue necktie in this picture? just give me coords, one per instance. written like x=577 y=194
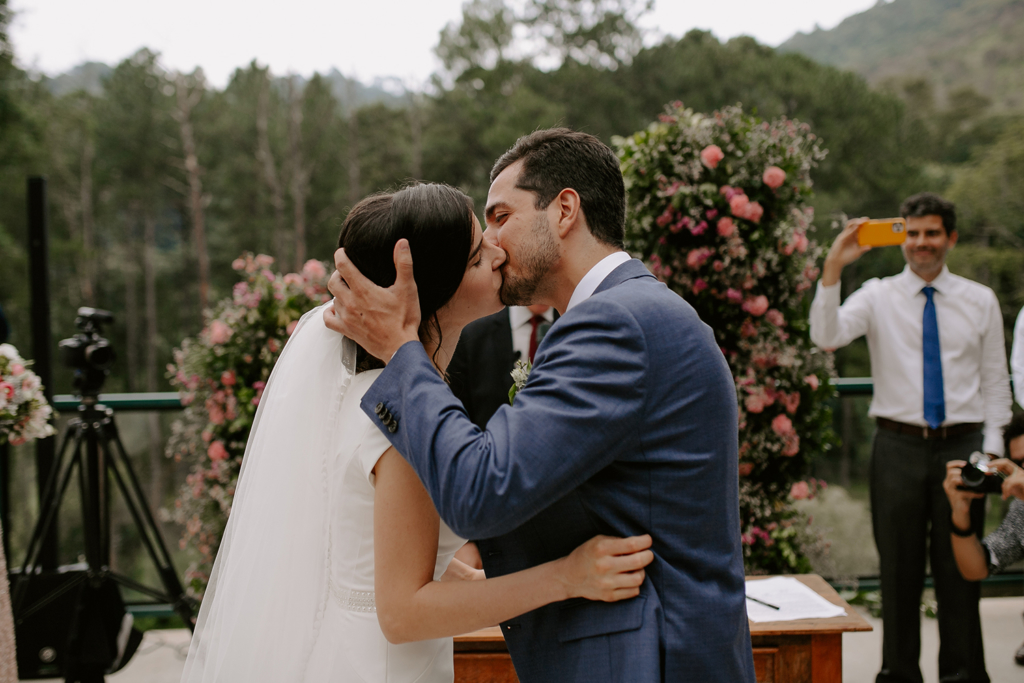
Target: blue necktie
x=934 y=403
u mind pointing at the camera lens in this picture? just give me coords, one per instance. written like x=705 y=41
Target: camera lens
x=972 y=476
x=100 y=355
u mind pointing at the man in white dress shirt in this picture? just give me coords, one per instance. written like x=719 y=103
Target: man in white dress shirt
x=1017 y=359
x=941 y=391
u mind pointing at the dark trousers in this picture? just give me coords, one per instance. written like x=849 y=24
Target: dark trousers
x=910 y=515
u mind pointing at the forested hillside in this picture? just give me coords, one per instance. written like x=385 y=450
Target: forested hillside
x=954 y=44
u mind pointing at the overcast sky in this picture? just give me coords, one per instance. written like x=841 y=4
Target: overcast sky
x=361 y=38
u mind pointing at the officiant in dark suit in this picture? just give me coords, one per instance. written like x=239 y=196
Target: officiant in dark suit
x=488 y=349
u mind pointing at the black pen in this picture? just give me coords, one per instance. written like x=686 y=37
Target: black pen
x=762 y=602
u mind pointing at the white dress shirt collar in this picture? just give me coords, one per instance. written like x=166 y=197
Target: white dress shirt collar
x=602 y=269
x=521 y=315
x=914 y=283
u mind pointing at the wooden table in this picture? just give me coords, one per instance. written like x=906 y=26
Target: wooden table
x=482 y=657
x=806 y=650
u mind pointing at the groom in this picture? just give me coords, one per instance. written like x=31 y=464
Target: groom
x=626 y=426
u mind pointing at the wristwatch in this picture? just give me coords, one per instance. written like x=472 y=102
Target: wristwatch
x=957 y=531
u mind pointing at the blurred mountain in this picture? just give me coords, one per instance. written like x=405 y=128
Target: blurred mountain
x=88 y=76
x=953 y=44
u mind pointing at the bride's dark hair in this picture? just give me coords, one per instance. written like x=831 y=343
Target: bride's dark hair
x=438 y=222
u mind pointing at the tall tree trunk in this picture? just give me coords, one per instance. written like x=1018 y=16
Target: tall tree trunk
x=268 y=168
x=416 y=135
x=129 y=270
x=88 y=255
x=149 y=277
x=299 y=174
x=355 y=191
x=187 y=99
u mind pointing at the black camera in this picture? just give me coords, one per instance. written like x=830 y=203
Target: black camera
x=88 y=353
x=979 y=477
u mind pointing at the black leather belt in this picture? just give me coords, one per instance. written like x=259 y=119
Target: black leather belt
x=944 y=432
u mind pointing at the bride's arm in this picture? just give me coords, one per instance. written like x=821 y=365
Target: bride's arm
x=412 y=606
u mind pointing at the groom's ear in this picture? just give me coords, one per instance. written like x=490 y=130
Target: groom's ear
x=569 y=213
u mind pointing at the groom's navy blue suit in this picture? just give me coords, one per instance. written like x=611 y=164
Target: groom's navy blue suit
x=626 y=426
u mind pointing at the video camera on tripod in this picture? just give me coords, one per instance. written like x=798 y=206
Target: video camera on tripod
x=72 y=621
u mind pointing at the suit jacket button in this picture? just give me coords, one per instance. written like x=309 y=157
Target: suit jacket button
x=393 y=426
x=379 y=409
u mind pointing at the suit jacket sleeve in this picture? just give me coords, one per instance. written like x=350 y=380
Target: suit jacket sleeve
x=584 y=398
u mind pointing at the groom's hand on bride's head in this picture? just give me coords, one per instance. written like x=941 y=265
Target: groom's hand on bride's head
x=378 y=319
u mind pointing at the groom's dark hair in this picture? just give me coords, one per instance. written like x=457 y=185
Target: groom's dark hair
x=558 y=158
x=438 y=222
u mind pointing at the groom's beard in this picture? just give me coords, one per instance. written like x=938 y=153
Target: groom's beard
x=520 y=288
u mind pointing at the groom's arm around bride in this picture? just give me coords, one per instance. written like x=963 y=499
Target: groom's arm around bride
x=627 y=425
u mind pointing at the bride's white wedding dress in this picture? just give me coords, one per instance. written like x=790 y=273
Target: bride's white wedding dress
x=291 y=596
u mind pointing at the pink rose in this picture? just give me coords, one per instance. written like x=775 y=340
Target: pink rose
x=238 y=264
x=734 y=295
x=812 y=381
x=293 y=279
x=748 y=329
x=227 y=378
x=775 y=318
x=696 y=258
x=215 y=412
x=273 y=345
x=217 y=452
x=711 y=155
x=746 y=468
x=268 y=275
x=16 y=440
x=699 y=286
x=700 y=228
x=738 y=205
x=264 y=261
x=17 y=369
x=220 y=332
x=754 y=212
x=790 y=401
x=800 y=241
x=314 y=270
x=729 y=192
x=774 y=177
x=711 y=214
x=800 y=490
x=665 y=218
x=718 y=266
x=782 y=425
x=726 y=226
x=756 y=305
x=791 y=446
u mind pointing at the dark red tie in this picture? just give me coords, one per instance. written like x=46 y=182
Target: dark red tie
x=534 y=322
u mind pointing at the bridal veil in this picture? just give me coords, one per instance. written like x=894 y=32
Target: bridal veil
x=268 y=590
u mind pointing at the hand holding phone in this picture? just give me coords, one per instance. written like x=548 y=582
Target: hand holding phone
x=882 y=232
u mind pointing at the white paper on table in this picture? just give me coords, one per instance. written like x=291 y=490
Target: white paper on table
x=794 y=600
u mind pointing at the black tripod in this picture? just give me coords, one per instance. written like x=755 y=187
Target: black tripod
x=80 y=608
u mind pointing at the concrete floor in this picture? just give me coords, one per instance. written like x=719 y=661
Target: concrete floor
x=161 y=656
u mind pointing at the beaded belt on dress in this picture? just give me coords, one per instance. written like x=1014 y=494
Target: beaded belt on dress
x=354 y=601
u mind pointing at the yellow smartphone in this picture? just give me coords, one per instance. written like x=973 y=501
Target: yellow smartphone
x=882 y=232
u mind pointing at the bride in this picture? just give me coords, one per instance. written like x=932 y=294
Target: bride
x=334 y=566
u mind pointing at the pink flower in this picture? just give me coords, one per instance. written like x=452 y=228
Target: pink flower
x=17 y=369
x=293 y=279
x=774 y=177
x=756 y=305
x=790 y=401
x=264 y=261
x=711 y=214
x=238 y=264
x=738 y=205
x=291 y=327
x=800 y=490
x=775 y=318
x=699 y=286
x=220 y=332
x=800 y=241
x=729 y=192
x=273 y=345
x=782 y=425
x=726 y=226
x=227 y=378
x=734 y=295
x=314 y=270
x=215 y=412
x=791 y=445
x=746 y=468
x=812 y=381
x=754 y=212
x=699 y=228
x=748 y=329
x=217 y=452
x=711 y=155
x=268 y=275
x=662 y=240
x=696 y=258
x=718 y=266
x=665 y=218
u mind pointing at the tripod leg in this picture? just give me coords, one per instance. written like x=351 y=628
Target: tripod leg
x=135 y=499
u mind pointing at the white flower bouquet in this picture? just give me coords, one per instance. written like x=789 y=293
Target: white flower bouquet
x=24 y=412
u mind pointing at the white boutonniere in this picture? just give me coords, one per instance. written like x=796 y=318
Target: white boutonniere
x=520 y=373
